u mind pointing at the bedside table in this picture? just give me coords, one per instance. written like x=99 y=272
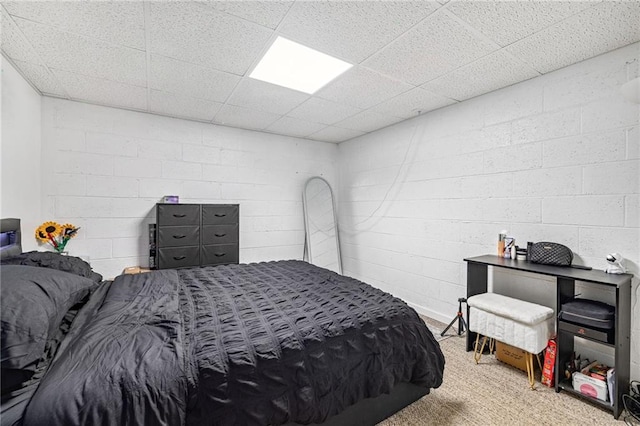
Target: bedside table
x=135 y=270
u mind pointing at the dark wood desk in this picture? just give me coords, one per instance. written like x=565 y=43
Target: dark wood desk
x=477 y=269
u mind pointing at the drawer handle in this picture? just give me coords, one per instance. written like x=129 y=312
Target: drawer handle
x=220 y=214
x=219 y=235
x=219 y=254
x=179 y=257
x=179 y=236
x=179 y=215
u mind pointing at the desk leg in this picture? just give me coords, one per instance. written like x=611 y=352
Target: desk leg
x=623 y=344
x=476 y=284
x=565 y=290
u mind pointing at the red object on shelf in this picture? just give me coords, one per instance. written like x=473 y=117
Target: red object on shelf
x=549 y=363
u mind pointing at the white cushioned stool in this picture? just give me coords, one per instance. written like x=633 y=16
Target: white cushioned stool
x=515 y=322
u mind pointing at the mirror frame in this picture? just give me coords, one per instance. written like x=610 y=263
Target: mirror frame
x=307 y=234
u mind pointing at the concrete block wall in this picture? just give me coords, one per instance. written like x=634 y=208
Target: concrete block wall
x=103 y=169
x=20 y=148
x=554 y=158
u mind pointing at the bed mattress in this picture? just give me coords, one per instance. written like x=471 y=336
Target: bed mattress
x=257 y=344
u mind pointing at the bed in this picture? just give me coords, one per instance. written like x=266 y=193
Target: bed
x=266 y=343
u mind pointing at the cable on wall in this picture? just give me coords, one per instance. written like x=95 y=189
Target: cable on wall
x=400 y=178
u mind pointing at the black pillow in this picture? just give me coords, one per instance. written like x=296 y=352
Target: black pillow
x=34 y=302
x=48 y=259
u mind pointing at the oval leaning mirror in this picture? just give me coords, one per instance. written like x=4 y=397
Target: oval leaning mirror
x=322 y=245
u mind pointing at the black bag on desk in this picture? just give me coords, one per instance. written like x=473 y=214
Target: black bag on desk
x=589 y=313
x=550 y=254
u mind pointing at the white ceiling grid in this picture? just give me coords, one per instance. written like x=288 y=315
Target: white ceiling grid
x=192 y=59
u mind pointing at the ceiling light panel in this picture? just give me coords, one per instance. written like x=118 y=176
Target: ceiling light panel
x=297 y=67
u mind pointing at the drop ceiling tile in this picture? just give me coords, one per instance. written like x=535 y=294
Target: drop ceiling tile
x=322 y=111
x=494 y=71
x=81 y=55
x=436 y=46
x=42 y=78
x=94 y=51
x=294 y=127
x=244 y=118
x=599 y=29
x=198 y=34
x=256 y=94
x=362 y=88
x=352 y=30
x=508 y=21
x=265 y=13
x=182 y=106
x=116 y=22
x=100 y=91
x=335 y=134
x=368 y=121
x=13 y=43
x=409 y=104
x=171 y=75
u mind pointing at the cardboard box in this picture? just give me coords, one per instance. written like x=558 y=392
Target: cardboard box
x=512 y=356
x=589 y=386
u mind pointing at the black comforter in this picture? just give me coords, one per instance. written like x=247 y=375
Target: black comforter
x=251 y=344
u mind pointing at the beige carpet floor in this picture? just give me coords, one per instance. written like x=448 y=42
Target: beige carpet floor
x=493 y=393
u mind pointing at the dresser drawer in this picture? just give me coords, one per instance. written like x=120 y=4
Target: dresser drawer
x=219 y=214
x=173 y=236
x=178 y=214
x=219 y=234
x=178 y=257
x=219 y=254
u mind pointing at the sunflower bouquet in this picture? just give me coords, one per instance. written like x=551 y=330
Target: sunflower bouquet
x=55 y=234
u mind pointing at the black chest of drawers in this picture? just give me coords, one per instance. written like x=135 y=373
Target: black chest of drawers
x=196 y=235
